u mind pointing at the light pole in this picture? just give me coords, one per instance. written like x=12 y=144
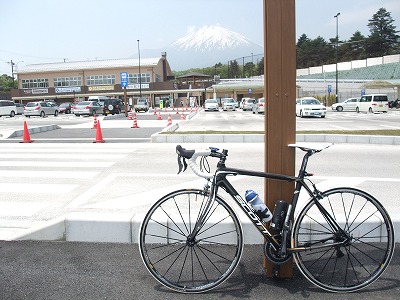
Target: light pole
x=337 y=46
x=140 y=74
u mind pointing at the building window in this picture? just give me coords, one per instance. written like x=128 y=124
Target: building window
x=67 y=81
x=158 y=78
x=100 y=80
x=134 y=78
x=35 y=83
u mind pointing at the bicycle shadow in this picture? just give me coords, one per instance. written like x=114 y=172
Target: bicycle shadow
x=249 y=281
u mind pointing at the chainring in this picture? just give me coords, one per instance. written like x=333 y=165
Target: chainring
x=272 y=254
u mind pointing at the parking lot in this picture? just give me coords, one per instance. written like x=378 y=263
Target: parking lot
x=119 y=128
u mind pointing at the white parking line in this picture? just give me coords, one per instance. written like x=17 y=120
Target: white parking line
x=56 y=164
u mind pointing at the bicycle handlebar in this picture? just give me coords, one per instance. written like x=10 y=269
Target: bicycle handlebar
x=192 y=155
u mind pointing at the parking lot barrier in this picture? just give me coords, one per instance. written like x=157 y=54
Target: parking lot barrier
x=94 y=122
x=26 y=137
x=99 y=134
x=135 y=125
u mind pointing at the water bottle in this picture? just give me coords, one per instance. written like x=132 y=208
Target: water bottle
x=258 y=205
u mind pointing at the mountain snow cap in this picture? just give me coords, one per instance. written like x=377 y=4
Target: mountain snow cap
x=209 y=38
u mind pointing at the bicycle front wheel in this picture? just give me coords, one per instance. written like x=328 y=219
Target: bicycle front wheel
x=348 y=258
x=178 y=259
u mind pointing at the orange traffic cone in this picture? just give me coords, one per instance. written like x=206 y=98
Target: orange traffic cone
x=155 y=110
x=94 y=122
x=130 y=115
x=169 y=123
x=183 y=116
x=135 y=125
x=177 y=111
x=99 y=135
x=159 y=116
x=27 y=137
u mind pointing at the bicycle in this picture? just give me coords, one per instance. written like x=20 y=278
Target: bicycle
x=191 y=240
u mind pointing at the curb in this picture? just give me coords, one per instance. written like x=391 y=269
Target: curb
x=259 y=138
x=120 y=228
x=33 y=130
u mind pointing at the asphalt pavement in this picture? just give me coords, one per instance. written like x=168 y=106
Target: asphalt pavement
x=65 y=270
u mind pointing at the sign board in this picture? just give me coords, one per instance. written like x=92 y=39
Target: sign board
x=124 y=79
x=329 y=88
x=250 y=91
x=362 y=92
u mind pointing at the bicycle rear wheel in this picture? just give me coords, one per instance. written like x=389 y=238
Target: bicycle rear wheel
x=186 y=263
x=362 y=258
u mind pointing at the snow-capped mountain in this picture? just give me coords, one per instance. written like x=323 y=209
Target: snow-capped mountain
x=210 y=38
x=206 y=47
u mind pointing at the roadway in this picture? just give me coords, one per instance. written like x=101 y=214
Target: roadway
x=118 y=129
x=91 y=192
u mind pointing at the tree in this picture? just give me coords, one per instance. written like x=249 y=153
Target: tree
x=234 y=70
x=383 y=38
x=260 y=67
x=6 y=83
x=310 y=53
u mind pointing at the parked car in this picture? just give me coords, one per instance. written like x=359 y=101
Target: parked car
x=7 y=108
x=65 y=107
x=89 y=108
x=20 y=108
x=347 y=105
x=373 y=103
x=113 y=106
x=228 y=104
x=310 y=107
x=41 y=109
x=211 y=105
x=141 y=105
x=259 y=106
x=248 y=103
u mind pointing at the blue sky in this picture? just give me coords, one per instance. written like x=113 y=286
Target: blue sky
x=36 y=31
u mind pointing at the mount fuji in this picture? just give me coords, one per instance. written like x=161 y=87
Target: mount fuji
x=206 y=47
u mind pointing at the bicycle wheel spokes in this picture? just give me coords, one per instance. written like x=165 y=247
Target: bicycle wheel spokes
x=184 y=262
x=351 y=258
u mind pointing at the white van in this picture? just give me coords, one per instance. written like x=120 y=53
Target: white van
x=99 y=99
x=373 y=103
x=7 y=108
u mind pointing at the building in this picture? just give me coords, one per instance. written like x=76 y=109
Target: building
x=76 y=81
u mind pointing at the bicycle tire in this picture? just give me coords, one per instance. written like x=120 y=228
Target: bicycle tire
x=352 y=266
x=180 y=263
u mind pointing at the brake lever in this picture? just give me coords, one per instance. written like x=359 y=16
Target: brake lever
x=180 y=165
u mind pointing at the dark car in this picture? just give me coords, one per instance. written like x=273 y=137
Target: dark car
x=65 y=107
x=113 y=106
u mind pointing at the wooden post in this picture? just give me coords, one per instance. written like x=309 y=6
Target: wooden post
x=280 y=98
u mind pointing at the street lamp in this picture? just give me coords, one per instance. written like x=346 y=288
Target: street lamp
x=140 y=74
x=337 y=46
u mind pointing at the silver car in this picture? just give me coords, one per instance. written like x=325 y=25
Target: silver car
x=211 y=104
x=347 y=105
x=259 y=106
x=41 y=109
x=248 y=103
x=228 y=104
x=89 y=108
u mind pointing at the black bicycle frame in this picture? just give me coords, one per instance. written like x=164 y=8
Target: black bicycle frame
x=223 y=182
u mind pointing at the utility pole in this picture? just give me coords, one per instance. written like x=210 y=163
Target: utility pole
x=12 y=72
